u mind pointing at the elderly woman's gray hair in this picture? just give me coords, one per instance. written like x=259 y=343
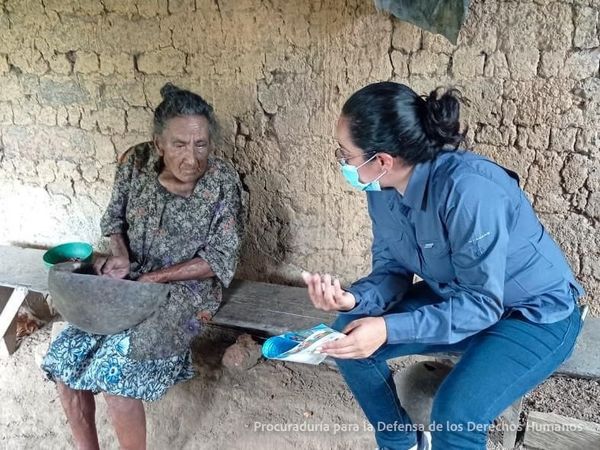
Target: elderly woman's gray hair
x=180 y=102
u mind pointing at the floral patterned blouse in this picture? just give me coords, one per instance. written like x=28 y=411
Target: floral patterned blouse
x=163 y=229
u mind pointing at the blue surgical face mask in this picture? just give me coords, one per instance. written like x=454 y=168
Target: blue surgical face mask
x=350 y=173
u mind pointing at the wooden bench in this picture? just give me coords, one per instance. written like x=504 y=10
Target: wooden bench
x=272 y=309
x=260 y=308
x=23 y=277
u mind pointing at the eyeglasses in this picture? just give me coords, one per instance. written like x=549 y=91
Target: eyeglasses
x=343 y=160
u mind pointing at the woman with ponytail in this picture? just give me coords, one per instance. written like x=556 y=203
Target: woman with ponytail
x=496 y=288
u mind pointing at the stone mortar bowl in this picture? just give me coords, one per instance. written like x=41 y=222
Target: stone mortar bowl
x=101 y=305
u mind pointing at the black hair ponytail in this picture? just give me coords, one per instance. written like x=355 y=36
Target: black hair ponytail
x=390 y=117
x=441 y=117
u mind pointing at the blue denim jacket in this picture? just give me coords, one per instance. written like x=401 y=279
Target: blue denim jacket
x=465 y=227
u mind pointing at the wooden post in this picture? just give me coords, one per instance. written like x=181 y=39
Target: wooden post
x=9 y=307
x=511 y=415
x=548 y=431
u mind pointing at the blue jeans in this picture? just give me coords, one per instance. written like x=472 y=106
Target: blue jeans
x=497 y=366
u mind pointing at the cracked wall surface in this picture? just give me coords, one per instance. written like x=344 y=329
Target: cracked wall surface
x=79 y=80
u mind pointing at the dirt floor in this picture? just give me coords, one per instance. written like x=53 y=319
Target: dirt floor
x=568 y=397
x=271 y=405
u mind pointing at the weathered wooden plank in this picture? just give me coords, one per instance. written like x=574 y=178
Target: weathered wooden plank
x=547 y=431
x=269 y=308
x=585 y=361
x=23 y=267
x=269 y=296
x=10 y=310
x=272 y=308
x=8 y=342
x=275 y=308
x=9 y=307
x=511 y=416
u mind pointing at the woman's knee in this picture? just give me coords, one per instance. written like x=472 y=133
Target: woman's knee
x=456 y=410
x=64 y=390
x=77 y=404
x=122 y=404
x=67 y=393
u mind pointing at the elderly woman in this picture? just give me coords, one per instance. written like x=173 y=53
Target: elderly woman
x=176 y=216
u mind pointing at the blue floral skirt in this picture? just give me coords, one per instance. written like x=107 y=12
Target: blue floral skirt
x=99 y=363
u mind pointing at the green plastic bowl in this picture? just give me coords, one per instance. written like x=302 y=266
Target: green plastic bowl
x=71 y=251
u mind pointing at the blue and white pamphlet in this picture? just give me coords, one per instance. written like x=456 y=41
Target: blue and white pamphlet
x=300 y=346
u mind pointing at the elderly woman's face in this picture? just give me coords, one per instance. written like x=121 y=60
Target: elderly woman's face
x=184 y=145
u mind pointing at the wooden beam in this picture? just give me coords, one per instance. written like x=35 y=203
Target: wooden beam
x=8 y=342
x=8 y=320
x=23 y=267
x=511 y=416
x=546 y=431
x=268 y=308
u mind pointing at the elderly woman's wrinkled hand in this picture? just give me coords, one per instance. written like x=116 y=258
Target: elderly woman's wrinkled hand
x=112 y=266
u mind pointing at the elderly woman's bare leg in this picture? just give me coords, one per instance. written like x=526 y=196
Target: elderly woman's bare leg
x=80 y=409
x=129 y=420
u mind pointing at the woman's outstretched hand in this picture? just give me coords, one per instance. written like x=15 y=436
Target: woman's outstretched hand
x=364 y=336
x=327 y=294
